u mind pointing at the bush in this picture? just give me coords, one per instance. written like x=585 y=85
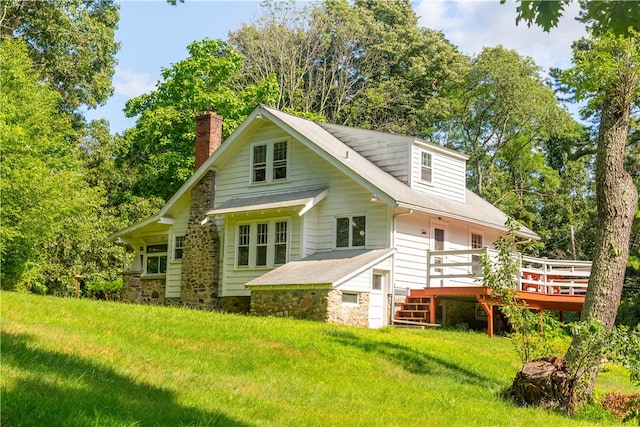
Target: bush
x=109 y=290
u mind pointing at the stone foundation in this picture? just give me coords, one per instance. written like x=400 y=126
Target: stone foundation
x=342 y=314
x=307 y=304
x=320 y=305
x=235 y=304
x=147 y=290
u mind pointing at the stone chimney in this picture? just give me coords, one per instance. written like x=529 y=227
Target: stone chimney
x=208 y=136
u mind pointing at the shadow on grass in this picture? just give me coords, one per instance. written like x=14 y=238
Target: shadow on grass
x=60 y=389
x=414 y=361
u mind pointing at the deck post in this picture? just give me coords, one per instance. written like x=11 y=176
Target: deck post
x=433 y=305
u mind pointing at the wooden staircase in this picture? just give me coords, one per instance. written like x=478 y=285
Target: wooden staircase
x=414 y=309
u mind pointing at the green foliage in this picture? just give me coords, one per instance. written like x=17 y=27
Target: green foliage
x=535 y=335
x=617 y=17
x=364 y=64
x=159 y=150
x=53 y=222
x=110 y=290
x=71 y=41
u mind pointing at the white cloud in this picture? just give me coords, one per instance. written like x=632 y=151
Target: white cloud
x=471 y=25
x=131 y=84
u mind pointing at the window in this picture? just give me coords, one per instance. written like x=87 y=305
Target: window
x=350 y=298
x=262 y=244
x=438 y=245
x=244 y=241
x=269 y=162
x=376 y=284
x=351 y=231
x=259 y=163
x=178 y=247
x=156 y=259
x=280 y=245
x=425 y=166
x=476 y=243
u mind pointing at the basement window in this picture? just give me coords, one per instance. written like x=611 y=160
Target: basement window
x=350 y=298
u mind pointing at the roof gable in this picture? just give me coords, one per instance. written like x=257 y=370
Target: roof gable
x=320 y=139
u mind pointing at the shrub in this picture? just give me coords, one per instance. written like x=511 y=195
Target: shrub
x=109 y=290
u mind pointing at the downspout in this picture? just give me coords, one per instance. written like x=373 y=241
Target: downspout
x=393 y=266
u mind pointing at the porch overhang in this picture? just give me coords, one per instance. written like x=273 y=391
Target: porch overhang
x=303 y=199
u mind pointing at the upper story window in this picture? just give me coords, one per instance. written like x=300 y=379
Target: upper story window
x=262 y=244
x=155 y=259
x=269 y=162
x=351 y=231
x=425 y=166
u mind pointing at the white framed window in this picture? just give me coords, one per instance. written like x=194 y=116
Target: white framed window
x=476 y=243
x=178 y=247
x=351 y=231
x=269 y=162
x=155 y=259
x=350 y=298
x=426 y=170
x=262 y=243
x=376 y=282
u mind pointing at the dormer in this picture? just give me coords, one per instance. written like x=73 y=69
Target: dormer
x=438 y=171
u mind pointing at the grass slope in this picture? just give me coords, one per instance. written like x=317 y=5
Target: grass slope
x=69 y=362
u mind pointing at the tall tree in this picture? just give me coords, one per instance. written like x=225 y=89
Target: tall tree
x=606 y=73
x=364 y=64
x=505 y=113
x=52 y=221
x=71 y=41
x=159 y=150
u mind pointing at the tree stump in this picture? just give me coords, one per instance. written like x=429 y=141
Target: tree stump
x=545 y=382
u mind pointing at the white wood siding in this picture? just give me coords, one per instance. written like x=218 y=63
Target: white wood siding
x=413 y=238
x=447 y=175
x=306 y=170
x=362 y=282
x=174 y=268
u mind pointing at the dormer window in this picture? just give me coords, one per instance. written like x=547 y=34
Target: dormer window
x=269 y=162
x=425 y=167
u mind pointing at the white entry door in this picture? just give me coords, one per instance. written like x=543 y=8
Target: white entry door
x=378 y=299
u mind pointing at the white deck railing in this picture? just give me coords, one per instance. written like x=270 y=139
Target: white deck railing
x=540 y=275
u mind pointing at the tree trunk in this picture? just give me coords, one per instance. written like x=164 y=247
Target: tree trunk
x=616 y=199
x=546 y=383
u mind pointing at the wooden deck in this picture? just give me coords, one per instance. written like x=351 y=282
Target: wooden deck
x=558 y=285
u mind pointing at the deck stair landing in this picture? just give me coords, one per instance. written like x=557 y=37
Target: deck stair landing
x=414 y=309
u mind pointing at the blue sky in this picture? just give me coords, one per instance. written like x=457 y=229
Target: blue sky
x=154 y=34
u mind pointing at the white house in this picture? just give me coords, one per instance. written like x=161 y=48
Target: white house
x=293 y=217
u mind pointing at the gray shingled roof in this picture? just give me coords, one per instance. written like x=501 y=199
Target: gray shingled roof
x=476 y=210
x=322 y=268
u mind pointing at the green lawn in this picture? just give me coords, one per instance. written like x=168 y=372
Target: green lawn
x=68 y=362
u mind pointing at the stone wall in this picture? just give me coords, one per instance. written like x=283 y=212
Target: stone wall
x=353 y=315
x=307 y=304
x=235 y=304
x=147 y=290
x=199 y=281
